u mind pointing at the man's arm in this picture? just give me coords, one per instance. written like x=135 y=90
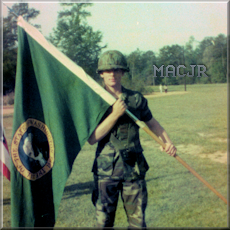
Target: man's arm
x=105 y=126
x=156 y=128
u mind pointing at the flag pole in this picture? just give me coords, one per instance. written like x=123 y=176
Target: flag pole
x=148 y=131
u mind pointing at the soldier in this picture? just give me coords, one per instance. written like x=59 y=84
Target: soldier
x=119 y=165
x=165 y=88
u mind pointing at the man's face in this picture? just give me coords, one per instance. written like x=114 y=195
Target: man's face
x=112 y=77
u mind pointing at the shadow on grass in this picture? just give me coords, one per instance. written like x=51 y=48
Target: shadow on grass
x=78 y=189
x=164 y=176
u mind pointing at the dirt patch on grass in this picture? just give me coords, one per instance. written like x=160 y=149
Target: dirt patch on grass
x=213 y=138
x=219 y=156
x=189 y=149
x=196 y=150
x=222 y=140
x=207 y=135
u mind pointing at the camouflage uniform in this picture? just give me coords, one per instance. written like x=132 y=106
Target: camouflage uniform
x=120 y=166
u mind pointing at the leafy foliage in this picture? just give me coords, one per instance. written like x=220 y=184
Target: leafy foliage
x=10 y=42
x=75 y=38
x=211 y=52
x=141 y=71
x=215 y=59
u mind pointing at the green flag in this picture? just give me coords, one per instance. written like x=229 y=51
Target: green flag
x=57 y=107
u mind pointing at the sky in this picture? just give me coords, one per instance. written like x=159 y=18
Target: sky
x=128 y=26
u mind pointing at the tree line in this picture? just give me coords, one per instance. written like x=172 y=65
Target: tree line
x=76 y=39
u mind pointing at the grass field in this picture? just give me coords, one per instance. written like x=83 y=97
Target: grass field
x=197 y=123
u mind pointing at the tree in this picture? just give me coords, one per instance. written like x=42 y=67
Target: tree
x=134 y=63
x=148 y=59
x=141 y=70
x=76 y=39
x=171 y=55
x=211 y=53
x=215 y=59
x=190 y=59
x=10 y=43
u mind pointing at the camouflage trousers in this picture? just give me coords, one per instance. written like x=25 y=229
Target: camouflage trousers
x=105 y=198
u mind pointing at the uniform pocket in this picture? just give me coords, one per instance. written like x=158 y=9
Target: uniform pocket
x=105 y=162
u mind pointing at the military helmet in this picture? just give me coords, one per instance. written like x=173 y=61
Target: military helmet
x=112 y=59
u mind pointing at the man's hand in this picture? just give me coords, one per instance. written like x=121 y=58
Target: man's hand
x=119 y=108
x=169 y=149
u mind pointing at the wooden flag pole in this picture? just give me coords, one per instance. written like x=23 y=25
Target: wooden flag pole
x=148 y=131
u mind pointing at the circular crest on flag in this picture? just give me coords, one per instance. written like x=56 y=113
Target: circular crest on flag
x=32 y=149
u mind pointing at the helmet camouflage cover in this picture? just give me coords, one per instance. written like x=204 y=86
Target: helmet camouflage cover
x=112 y=59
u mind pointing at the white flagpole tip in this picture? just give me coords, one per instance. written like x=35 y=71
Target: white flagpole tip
x=20 y=21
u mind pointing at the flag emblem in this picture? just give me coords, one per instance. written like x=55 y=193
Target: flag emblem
x=33 y=149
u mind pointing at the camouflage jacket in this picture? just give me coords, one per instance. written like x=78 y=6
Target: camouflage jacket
x=121 y=148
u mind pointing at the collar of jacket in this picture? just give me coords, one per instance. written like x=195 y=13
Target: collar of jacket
x=124 y=94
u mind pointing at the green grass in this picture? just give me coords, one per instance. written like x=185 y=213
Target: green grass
x=171 y=88
x=176 y=198
x=203 y=110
